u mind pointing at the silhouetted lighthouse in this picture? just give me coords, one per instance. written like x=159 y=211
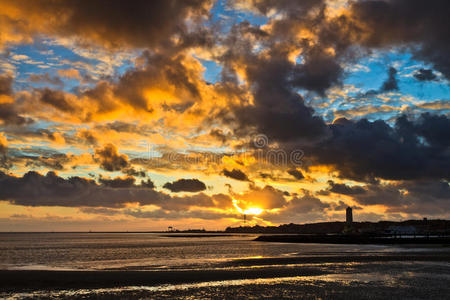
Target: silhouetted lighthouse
x=349 y=215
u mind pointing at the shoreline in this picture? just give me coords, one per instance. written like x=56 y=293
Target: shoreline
x=353 y=239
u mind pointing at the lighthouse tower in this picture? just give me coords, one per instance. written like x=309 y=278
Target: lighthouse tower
x=349 y=216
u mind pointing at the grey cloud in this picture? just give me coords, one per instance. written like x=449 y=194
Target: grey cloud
x=411 y=149
x=110 y=159
x=185 y=185
x=10 y=116
x=112 y=23
x=341 y=188
x=117 y=182
x=425 y=75
x=421 y=25
x=391 y=82
x=296 y=174
x=6 y=82
x=34 y=189
x=56 y=99
x=235 y=174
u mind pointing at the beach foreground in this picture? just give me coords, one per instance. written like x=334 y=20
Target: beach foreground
x=146 y=265
x=424 y=276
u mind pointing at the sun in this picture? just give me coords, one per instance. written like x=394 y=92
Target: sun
x=253 y=211
x=248 y=211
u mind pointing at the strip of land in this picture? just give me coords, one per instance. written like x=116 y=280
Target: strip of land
x=352 y=239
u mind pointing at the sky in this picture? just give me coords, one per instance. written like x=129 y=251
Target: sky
x=139 y=115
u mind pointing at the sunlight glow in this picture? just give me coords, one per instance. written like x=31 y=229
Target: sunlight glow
x=249 y=211
x=253 y=211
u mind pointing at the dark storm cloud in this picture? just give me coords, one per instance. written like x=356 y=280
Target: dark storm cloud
x=177 y=203
x=391 y=83
x=287 y=6
x=126 y=182
x=319 y=72
x=412 y=149
x=235 y=174
x=274 y=80
x=296 y=174
x=56 y=99
x=434 y=128
x=316 y=69
x=425 y=197
x=341 y=205
x=148 y=184
x=418 y=25
x=185 y=185
x=6 y=82
x=276 y=100
x=117 y=182
x=342 y=188
x=113 y=23
x=423 y=25
x=8 y=111
x=110 y=159
x=425 y=75
x=10 y=116
x=34 y=189
x=133 y=172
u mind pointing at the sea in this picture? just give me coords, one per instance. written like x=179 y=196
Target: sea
x=324 y=270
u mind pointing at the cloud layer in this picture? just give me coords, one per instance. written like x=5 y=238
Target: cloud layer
x=172 y=110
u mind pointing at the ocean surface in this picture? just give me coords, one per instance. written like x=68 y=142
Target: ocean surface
x=145 y=251
x=344 y=269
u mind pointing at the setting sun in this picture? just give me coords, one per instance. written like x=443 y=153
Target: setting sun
x=253 y=211
x=248 y=211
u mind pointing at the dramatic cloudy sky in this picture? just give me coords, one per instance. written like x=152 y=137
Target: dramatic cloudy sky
x=138 y=115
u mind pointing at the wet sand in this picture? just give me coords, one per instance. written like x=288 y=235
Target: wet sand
x=25 y=280
x=243 y=269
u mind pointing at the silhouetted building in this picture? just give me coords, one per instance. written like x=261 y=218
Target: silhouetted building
x=349 y=215
x=401 y=230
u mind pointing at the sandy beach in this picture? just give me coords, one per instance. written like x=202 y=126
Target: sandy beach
x=365 y=276
x=128 y=266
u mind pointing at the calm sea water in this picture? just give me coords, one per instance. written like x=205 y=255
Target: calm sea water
x=136 y=251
